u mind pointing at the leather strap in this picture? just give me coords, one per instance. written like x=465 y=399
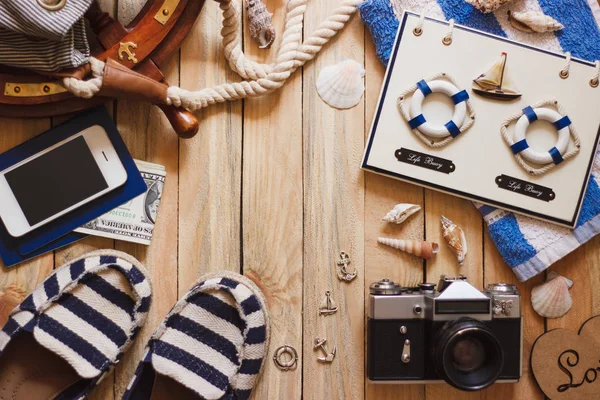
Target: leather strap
x=120 y=81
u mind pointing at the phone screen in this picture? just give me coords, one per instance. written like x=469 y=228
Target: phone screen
x=56 y=180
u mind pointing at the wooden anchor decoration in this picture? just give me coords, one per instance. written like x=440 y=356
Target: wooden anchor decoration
x=155 y=33
x=320 y=344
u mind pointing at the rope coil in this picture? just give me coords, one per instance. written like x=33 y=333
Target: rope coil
x=564 y=72
x=261 y=78
x=596 y=77
x=447 y=39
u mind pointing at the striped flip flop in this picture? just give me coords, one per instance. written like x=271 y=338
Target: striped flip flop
x=70 y=331
x=212 y=345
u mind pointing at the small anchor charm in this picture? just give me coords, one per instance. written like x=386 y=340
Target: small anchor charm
x=126 y=48
x=320 y=344
x=342 y=273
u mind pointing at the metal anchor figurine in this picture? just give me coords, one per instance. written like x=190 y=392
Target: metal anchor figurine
x=126 y=48
x=320 y=344
x=342 y=273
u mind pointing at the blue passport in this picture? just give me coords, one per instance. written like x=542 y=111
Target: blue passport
x=58 y=233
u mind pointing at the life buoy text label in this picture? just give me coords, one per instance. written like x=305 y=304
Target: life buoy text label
x=425 y=160
x=525 y=188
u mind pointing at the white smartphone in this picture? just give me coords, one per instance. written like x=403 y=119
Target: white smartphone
x=59 y=179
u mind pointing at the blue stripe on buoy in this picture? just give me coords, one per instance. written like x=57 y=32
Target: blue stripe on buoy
x=417 y=121
x=562 y=123
x=460 y=97
x=452 y=128
x=530 y=114
x=519 y=146
x=556 y=156
x=424 y=87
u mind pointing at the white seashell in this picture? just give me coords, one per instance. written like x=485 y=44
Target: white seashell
x=342 y=85
x=419 y=248
x=552 y=299
x=400 y=213
x=487 y=6
x=534 y=21
x=455 y=237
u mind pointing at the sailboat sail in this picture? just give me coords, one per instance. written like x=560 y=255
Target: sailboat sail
x=496 y=83
x=328 y=306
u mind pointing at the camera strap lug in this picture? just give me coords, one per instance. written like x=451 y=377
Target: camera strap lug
x=406 y=352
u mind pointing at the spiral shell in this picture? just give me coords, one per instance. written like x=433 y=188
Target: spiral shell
x=10 y=298
x=400 y=213
x=534 y=21
x=552 y=299
x=455 y=237
x=418 y=248
x=487 y=6
x=260 y=23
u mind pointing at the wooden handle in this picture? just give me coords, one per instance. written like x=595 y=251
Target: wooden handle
x=184 y=122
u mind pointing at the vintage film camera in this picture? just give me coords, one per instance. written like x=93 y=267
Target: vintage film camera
x=468 y=338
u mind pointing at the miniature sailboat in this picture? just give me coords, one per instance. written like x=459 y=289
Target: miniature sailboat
x=328 y=306
x=495 y=83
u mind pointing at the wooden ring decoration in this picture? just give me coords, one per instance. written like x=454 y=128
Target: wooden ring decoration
x=536 y=156
x=282 y=364
x=52 y=7
x=156 y=34
x=419 y=121
x=534 y=161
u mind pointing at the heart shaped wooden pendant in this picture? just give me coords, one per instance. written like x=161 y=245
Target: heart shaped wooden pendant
x=566 y=365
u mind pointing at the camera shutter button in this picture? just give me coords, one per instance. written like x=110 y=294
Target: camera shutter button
x=417 y=309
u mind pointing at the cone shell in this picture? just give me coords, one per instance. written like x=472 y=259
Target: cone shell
x=260 y=23
x=342 y=85
x=400 y=213
x=10 y=298
x=534 y=21
x=552 y=299
x=487 y=6
x=418 y=248
x=455 y=237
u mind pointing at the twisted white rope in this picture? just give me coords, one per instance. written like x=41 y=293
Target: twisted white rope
x=509 y=140
x=467 y=123
x=596 y=76
x=447 y=39
x=564 y=72
x=263 y=78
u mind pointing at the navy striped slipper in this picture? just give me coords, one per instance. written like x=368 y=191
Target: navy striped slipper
x=70 y=331
x=212 y=345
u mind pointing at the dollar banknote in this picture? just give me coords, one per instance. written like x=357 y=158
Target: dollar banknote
x=133 y=221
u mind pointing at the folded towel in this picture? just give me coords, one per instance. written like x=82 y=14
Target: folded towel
x=527 y=245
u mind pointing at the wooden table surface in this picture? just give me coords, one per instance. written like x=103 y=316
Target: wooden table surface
x=271 y=187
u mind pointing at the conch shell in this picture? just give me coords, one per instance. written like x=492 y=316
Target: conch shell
x=260 y=23
x=419 y=248
x=552 y=299
x=10 y=298
x=487 y=6
x=400 y=213
x=455 y=237
x=534 y=21
x=342 y=85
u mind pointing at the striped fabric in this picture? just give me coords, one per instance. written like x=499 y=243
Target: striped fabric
x=213 y=341
x=35 y=38
x=87 y=312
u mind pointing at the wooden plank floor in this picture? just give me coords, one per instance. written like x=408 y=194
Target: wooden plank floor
x=271 y=187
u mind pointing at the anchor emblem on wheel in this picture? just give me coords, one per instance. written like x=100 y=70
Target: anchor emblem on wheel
x=126 y=48
x=320 y=344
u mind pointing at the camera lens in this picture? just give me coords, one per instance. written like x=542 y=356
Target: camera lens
x=467 y=354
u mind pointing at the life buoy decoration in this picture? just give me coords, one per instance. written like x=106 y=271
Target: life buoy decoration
x=437 y=135
x=526 y=155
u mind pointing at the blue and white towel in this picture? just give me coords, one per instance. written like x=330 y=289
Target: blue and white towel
x=527 y=245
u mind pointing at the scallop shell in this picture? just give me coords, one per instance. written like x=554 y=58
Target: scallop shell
x=552 y=299
x=419 y=248
x=400 y=213
x=534 y=21
x=342 y=85
x=260 y=23
x=10 y=298
x=455 y=237
x=487 y=6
